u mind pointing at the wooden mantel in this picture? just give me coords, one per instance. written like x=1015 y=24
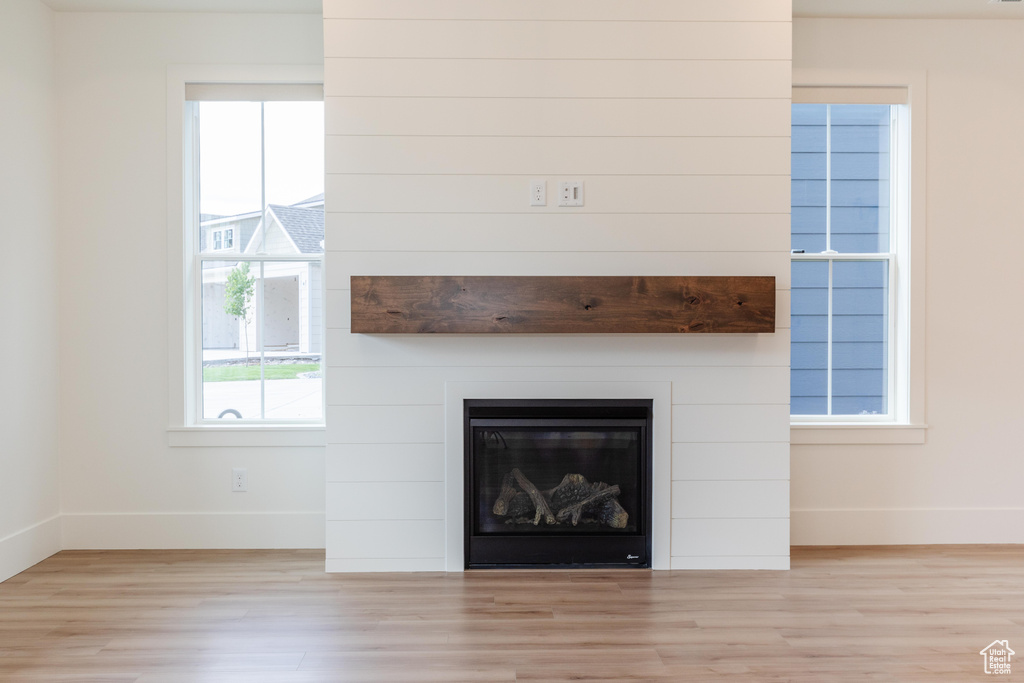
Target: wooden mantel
x=534 y=305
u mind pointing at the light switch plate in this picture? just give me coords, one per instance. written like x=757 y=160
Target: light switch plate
x=570 y=193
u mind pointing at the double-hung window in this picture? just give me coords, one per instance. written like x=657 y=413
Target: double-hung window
x=850 y=250
x=254 y=222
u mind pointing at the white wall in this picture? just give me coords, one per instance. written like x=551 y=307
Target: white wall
x=121 y=485
x=29 y=528
x=964 y=484
x=676 y=116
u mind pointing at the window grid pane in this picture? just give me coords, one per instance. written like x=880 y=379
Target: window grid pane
x=841 y=166
x=840 y=335
x=258 y=264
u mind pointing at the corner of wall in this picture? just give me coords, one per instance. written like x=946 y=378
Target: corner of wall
x=21 y=550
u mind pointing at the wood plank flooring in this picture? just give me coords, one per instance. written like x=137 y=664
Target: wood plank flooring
x=918 y=613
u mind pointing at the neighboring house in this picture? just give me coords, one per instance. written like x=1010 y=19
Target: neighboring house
x=227 y=233
x=291 y=291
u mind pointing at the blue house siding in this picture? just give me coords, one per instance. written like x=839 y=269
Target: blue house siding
x=848 y=197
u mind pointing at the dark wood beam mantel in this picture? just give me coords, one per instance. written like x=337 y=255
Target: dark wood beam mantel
x=561 y=305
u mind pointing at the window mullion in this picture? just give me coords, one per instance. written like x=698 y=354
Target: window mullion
x=828 y=180
x=828 y=248
x=263 y=248
x=891 y=355
x=197 y=338
x=828 y=346
x=260 y=311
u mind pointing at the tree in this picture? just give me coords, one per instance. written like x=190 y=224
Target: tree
x=237 y=295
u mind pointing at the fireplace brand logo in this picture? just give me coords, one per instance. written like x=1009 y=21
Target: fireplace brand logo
x=997 y=657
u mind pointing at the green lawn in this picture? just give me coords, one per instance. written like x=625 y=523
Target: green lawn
x=238 y=373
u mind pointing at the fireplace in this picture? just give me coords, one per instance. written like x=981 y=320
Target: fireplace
x=557 y=483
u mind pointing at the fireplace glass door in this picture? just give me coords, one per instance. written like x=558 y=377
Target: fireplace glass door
x=558 y=483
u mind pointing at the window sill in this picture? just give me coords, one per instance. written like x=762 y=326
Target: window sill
x=855 y=433
x=246 y=436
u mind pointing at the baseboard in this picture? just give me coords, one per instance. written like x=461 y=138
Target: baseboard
x=907 y=526
x=436 y=564
x=30 y=546
x=193 y=531
x=766 y=562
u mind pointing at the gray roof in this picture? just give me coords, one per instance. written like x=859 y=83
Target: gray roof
x=315 y=199
x=305 y=226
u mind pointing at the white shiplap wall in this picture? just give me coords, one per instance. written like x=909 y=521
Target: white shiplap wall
x=675 y=114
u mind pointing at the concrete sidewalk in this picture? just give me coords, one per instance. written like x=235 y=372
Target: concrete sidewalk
x=285 y=399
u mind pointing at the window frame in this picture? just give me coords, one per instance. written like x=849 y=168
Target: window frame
x=185 y=429
x=905 y=422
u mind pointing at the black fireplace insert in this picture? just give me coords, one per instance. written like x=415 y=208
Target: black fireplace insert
x=558 y=483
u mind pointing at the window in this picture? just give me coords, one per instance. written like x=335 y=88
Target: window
x=850 y=250
x=254 y=222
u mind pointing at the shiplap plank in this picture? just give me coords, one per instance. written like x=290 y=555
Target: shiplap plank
x=557 y=117
x=361 y=565
x=730 y=461
x=597 y=10
x=345 y=264
x=385 y=462
x=556 y=350
x=385 y=539
x=601 y=194
x=729 y=499
x=728 y=423
x=393 y=500
x=550 y=232
x=743 y=537
x=425 y=386
x=385 y=424
x=729 y=562
x=512 y=39
x=734 y=386
x=338 y=303
x=557 y=156
x=556 y=78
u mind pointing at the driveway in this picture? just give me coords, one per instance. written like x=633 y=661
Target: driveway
x=286 y=399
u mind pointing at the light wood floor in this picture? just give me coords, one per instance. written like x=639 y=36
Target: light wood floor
x=841 y=614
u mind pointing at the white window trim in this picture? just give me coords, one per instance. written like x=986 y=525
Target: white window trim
x=908 y=425
x=180 y=351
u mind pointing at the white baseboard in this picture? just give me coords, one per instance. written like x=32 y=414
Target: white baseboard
x=385 y=565
x=907 y=526
x=766 y=562
x=193 y=531
x=21 y=550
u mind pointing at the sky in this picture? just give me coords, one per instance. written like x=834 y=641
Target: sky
x=229 y=154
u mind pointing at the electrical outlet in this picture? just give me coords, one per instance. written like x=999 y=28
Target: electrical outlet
x=239 y=479
x=570 y=193
x=538 y=193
